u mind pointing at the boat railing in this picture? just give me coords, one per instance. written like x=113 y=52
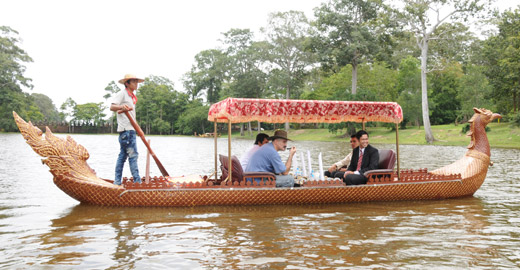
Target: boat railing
x=408 y=176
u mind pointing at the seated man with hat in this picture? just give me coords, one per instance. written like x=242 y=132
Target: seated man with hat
x=267 y=159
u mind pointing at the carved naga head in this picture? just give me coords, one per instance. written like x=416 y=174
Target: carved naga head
x=477 y=131
x=486 y=116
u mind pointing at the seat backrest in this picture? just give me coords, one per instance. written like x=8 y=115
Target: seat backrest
x=387 y=159
x=238 y=172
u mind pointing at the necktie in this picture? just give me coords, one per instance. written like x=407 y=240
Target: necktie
x=359 y=160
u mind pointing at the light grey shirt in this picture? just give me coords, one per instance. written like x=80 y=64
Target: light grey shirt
x=122 y=98
x=245 y=158
x=344 y=162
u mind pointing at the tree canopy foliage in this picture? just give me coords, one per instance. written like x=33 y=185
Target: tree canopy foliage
x=12 y=79
x=352 y=50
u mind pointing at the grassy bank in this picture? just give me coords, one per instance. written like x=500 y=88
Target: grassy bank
x=501 y=135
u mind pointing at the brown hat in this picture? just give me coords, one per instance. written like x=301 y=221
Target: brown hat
x=130 y=77
x=279 y=134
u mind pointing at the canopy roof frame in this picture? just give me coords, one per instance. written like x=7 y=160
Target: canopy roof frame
x=240 y=110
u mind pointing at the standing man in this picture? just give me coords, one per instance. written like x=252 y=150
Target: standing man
x=337 y=170
x=267 y=159
x=364 y=158
x=261 y=139
x=125 y=101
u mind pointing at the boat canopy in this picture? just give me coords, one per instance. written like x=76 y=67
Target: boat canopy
x=239 y=110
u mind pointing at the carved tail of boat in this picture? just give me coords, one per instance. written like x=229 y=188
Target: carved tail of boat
x=65 y=158
x=473 y=166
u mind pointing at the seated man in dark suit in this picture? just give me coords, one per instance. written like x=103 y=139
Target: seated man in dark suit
x=364 y=158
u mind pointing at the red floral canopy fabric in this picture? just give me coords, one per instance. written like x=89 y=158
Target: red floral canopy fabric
x=239 y=110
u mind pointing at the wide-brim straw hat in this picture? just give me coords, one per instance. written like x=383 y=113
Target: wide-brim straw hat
x=279 y=134
x=130 y=77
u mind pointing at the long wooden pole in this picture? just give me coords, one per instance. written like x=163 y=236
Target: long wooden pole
x=141 y=134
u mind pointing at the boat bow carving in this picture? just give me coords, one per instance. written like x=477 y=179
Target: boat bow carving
x=473 y=166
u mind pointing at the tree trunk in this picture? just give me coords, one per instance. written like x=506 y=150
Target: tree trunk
x=424 y=91
x=514 y=102
x=249 y=129
x=241 y=129
x=354 y=78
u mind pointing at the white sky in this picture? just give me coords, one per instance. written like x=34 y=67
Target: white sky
x=79 y=46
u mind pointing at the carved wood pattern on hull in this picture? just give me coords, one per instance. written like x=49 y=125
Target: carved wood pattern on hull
x=67 y=161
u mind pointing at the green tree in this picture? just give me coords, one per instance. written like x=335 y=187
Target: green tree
x=68 y=107
x=193 y=119
x=47 y=108
x=207 y=75
x=332 y=87
x=409 y=90
x=157 y=107
x=12 y=79
x=244 y=61
x=88 y=113
x=377 y=81
x=91 y=113
x=424 y=17
x=347 y=34
x=445 y=85
x=380 y=80
x=112 y=88
x=502 y=54
x=475 y=91
x=288 y=35
x=245 y=58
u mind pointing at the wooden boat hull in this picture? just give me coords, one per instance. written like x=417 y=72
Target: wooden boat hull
x=115 y=196
x=67 y=162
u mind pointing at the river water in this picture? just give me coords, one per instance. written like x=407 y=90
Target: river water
x=41 y=227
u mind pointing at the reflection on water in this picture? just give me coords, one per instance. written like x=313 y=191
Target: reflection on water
x=40 y=226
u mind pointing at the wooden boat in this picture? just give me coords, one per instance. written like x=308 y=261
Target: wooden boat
x=208 y=135
x=67 y=161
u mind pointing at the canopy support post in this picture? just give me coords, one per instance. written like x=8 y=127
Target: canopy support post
x=215 y=134
x=230 y=165
x=363 y=122
x=397 y=150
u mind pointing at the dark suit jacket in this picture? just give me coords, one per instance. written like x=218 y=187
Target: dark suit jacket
x=370 y=159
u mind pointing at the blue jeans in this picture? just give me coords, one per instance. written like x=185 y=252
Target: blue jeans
x=284 y=181
x=281 y=180
x=128 y=150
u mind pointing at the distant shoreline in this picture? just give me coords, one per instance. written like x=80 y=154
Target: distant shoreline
x=501 y=135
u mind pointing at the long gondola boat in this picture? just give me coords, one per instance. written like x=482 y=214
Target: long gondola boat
x=67 y=161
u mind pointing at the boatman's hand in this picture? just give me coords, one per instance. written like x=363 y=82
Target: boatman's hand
x=124 y=108
x=332 y=168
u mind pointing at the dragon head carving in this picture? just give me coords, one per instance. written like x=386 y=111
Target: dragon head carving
x=477 y=132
